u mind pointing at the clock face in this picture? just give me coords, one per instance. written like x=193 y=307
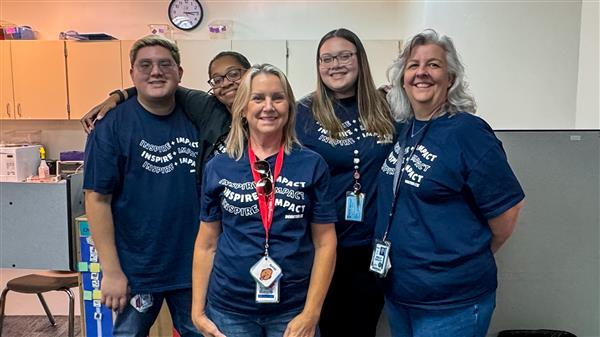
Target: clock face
x=185 y=14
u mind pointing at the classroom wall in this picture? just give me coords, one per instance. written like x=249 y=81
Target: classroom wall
x=588 y=87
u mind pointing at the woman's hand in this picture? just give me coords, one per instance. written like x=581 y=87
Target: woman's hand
x=98 y=112
x=206 y=327
x=303 y=325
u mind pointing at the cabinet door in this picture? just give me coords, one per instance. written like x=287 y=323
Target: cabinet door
x=94 y=70
x=381 y=54
x=126 y=63
x=39 y=79
x=195 y=57
x=302 y=68
x=7 y=103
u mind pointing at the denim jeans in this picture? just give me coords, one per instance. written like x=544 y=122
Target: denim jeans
x=132 y=323
x=469 y=321
x=238 y=325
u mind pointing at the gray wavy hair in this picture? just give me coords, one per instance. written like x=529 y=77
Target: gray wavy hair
x=459 y=98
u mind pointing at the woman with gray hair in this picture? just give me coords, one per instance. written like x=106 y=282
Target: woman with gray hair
x=265 y=252
x=447 y=199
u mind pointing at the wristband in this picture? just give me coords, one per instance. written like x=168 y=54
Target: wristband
x=119 y=93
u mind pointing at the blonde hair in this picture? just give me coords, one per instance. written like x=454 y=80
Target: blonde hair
x=373 y=110
x=239 y=133
x=154 y=40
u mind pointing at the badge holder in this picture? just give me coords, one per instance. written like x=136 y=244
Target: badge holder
x=380 y=260
x=266 y=273
x=267 y=294
x=355 y=204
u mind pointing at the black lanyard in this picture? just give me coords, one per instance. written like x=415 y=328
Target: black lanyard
x=399 y=170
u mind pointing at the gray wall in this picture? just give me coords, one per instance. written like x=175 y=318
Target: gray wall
x=549 y=270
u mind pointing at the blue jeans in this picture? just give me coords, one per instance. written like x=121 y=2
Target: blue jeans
x=132 y=323
x=469 y=321
x=238 y=325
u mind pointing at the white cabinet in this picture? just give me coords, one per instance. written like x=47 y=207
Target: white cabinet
x=263 y=51
x=195 y=57
x=302 y=66
x=381 y=54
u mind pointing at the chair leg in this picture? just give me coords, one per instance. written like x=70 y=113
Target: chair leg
x=46 y=309
x=2 y=305
x=71 y=312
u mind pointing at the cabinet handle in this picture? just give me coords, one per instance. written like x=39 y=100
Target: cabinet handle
x=8 y=110
x=19 y=110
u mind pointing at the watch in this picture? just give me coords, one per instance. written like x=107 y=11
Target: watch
x=185 y=14
x=119 y=93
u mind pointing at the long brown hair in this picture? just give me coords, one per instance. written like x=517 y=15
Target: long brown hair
x=373 y=110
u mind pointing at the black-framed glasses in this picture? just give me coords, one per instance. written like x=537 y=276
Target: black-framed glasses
x=264 y=186
x=146 y=66
x=343 y=58
x=232 y=75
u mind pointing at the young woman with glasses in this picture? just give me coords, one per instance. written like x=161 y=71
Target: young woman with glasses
x=265 y=252
x=348 y=122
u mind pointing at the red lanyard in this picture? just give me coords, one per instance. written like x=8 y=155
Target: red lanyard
x=266 y=211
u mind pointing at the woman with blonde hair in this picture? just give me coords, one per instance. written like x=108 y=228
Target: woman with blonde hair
x=265 y=252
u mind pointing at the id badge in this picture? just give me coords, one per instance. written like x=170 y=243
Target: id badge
x=380 y=260
x=142 y=302
x=355 y=203
x=267 y=294
x=265 y=271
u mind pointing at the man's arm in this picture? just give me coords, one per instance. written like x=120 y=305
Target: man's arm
x=114 y=286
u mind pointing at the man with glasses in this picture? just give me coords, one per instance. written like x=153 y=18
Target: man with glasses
x=209 y=112
x=142 y=198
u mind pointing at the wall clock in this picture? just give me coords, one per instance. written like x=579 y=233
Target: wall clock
x=185 y=14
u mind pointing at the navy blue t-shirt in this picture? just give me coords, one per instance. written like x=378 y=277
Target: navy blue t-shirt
x=457 y=177
x=229 y=196
x=148 y=164
x=339 y=155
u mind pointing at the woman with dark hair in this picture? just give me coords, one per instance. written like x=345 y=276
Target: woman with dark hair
x=447 y=199
x=265 y=252
x=348 y=122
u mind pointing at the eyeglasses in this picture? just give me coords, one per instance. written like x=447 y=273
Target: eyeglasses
x=264 y=187
x=342 y=58
x=232 y=75
x=146 y=66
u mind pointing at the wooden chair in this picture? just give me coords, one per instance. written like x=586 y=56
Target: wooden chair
x=38 y=284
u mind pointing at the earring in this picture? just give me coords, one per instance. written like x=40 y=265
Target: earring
x=244 y=120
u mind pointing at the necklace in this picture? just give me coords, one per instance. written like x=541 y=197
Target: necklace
x=412 y=131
